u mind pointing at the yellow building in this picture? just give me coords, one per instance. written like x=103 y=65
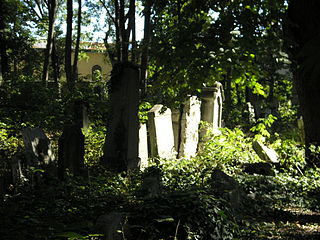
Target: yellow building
x=93 y=58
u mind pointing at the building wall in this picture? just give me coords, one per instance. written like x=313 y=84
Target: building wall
x=85 y=65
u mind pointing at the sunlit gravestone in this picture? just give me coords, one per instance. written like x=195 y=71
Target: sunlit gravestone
x=211 y=106
x=161 y=132
x=143 y=145
x=189 y=134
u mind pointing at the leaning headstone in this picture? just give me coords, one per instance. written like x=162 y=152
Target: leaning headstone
x=121 y=147
x=161 y=132
x=71 y=150
x=37 y=147
x=265 y=153
x=189 y=128
x=143 y=146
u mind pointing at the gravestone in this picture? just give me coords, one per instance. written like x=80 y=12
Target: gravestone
x=190 y=121
x=211 y=106
x=121 y=147
x=71 y=150
x=176 y=126
x=161 y=132
x=81 y=115
x=227 y=187
x=113 y=226
x=151 y=182
x=37 y=147
x=265 y=153
x=143 y=146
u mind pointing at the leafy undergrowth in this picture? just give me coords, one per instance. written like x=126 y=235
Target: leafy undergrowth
x=180 y=203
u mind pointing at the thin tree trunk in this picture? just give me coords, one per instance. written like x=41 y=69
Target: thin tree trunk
x=132 y=28
x=122 y=31
x=52 y=6
x=54 y=60
x=68 y=46
x=3 y=43
x=76 y=50
x=145 y=44
x=117 y=26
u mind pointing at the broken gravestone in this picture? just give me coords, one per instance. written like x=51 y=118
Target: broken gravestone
x=265 y=153
x=71 y=150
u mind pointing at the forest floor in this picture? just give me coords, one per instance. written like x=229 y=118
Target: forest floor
x=286 y=220
x=287 y=224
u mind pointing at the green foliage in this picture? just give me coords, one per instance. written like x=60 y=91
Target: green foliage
x=228 y=150
x=94 y=140
x=143 y=111
x=261 y=128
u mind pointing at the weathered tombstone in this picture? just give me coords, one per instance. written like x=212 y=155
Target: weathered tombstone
x=143 y=146
x=227 y=187
x=211 y=105
x=161 y=132
x=37 y=147
x=151 y=182
x=190 y=121
x=113 y=226
x=121 y=147
x=71 y=150
x=265 y=153
x=81 y=115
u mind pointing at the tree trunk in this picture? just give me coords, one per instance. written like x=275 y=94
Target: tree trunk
x=303 y=31
x=54 y=60
x=123 y=33
x=3 y=43
x=132 y=28
x=76 y=50
x=145 y=44
x=68 y=46
x=52 y=6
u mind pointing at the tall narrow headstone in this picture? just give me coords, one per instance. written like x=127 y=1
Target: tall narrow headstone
x=161 y=132
x=189 y=128
x=211 y=106
x=143 y=145
x=71 y=150
x=122 y=140
x=176 y=125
